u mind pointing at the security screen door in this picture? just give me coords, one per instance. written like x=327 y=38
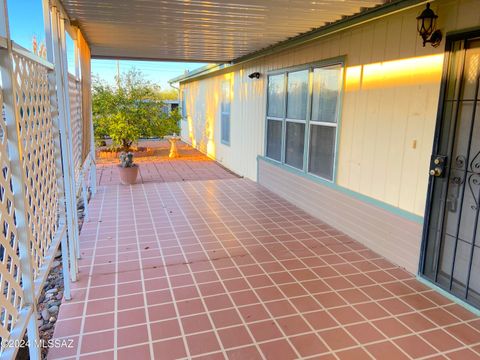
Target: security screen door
x=451 y=249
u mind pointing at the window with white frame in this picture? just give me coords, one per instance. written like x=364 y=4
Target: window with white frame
x=302 y=117
x=225 y=113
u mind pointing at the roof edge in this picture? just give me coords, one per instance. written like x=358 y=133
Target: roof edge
x=204 y=70
x=389 y=8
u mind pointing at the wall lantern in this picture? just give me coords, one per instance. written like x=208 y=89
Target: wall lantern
x=426 y=26
x=255 y=75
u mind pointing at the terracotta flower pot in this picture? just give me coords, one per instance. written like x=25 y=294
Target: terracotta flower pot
x=128 y=175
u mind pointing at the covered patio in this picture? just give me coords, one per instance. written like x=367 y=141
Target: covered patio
x=226 y=269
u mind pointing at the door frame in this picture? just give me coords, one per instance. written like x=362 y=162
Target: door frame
x=450 y=39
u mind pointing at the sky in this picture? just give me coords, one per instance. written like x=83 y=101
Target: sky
x=24 y=28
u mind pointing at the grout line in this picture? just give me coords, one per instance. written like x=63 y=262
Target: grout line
x=218 y=276
x=194 y=283
x=145 y=306
x=115 y=300
x=274 y=226
x=84 y=313
x=440 y=327
x=288 y=271
x=182 y=331
x=287 y=298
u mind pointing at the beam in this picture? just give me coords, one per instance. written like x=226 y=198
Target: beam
x=159 y=59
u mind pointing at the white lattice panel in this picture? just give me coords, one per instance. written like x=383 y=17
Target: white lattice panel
x=11 y=292
x=74 y=89
x=37 y=138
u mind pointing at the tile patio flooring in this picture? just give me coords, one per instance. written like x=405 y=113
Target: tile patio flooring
x=191 y=165
x=225 y=269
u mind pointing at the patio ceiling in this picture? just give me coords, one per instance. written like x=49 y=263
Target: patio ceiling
x=196 y=30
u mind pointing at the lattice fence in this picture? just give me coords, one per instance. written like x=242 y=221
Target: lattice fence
x=11 y=292
x=37 y=199
x=37 y=133
x=75 y=93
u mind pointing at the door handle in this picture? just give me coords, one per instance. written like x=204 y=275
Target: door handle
x=436 y=172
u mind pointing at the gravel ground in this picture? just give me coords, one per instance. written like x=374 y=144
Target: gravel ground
x=50 y=300
x=48 y=306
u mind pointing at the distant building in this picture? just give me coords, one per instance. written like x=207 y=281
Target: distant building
x=170 y=105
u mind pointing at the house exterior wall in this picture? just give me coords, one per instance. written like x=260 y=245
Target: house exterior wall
x=387 y=233
x=386 y=127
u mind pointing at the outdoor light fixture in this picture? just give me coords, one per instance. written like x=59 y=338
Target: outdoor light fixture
x=255 y=75
x=426 y=25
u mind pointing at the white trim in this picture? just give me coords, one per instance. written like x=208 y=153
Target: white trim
x=47 y=20
x=63 y=124
x=29 y=55
x=296 y=121
x=324 y=123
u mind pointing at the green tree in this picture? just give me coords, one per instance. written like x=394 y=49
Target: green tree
x=167 y=124
x=130 y=110
x=170 y=94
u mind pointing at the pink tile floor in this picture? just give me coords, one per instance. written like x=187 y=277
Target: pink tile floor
x=191 y=165
x=225 y=269
x=162 y=170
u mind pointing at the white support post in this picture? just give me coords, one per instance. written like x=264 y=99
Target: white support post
x=64 y=62
x=87 y=161
x=83 y=171
x=85 y=197
x=47 y=20
x=77 y=59
x=93 y=163
x=65 y=268
x=18 y=180
x=61 y=78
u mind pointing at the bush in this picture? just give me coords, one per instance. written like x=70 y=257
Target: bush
x=167 y=124
x=121 y=132
x=131 y=110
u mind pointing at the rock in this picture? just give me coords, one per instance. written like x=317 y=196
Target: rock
x=54 y=303
x=50 y=301
x=45 y=314
x=47 y=326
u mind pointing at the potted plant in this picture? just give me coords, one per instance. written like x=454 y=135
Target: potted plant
x=128 y=170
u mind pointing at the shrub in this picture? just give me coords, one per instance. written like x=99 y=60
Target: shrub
x=130 y=110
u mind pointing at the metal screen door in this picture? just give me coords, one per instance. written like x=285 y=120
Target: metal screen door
x=451 y=249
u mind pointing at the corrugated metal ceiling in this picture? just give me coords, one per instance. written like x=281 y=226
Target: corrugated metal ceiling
x=195 y=30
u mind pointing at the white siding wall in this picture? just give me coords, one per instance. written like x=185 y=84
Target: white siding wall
x=389 y=107
x=388 y=234
x=246 y=124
